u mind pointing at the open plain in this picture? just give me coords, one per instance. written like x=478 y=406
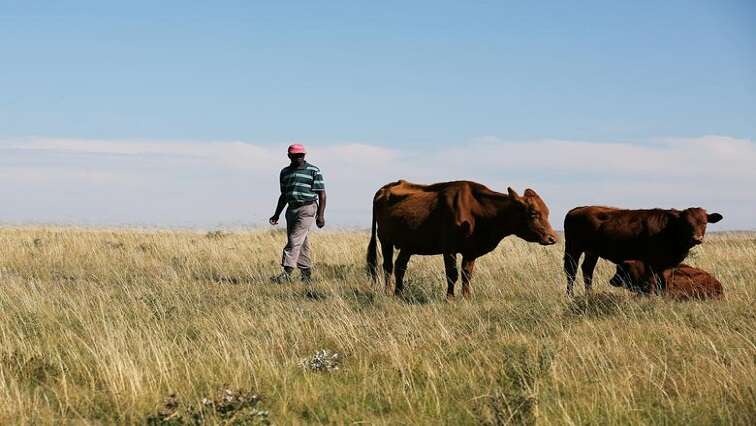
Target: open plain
x=102 y=326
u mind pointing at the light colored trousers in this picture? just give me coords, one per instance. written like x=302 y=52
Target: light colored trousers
x=298 y=223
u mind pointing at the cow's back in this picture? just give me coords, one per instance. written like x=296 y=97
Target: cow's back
x=620 y=234
x=411 y=202
x=686 y=282
x=414 y=216
x=584 y=227
x=587 y=221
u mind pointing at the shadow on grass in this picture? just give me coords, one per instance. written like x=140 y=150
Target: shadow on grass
x=417 y=292
x=221 y=278
x=512 y=400
x=313 y=293
x=35 y=370
x=595 y=305
x=361 y=299
x=336 y=272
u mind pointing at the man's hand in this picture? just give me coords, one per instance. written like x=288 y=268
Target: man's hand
x=279 y=208
x=320 y=218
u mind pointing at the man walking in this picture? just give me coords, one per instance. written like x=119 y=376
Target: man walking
x=302 y=188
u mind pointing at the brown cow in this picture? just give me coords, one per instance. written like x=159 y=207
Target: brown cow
x=681 y=282
x=660 y=238
x=450 y=218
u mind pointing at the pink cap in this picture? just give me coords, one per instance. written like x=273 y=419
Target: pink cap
x=297 y=149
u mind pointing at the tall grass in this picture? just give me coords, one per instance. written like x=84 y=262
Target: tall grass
x=100 y=326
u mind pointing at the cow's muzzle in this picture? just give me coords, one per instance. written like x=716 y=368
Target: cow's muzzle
x=549 y=240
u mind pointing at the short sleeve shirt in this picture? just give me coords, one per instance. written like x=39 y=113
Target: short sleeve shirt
x=300 y=185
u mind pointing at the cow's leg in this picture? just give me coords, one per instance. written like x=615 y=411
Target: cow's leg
x=387 y=248
x=589 y=263
x=468 y=267
x=401 y=267
x=571 y=260
x=450 y=265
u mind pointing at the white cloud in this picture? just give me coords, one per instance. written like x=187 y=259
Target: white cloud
x=208 y=183
x=680 y=157
x=32 y=175
x=237 y=154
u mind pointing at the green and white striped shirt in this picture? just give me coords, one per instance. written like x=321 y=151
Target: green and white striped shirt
x=300 y=185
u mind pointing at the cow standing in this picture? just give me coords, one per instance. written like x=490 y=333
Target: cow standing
x=450 y=218
x=659 y=238
x=681 y=282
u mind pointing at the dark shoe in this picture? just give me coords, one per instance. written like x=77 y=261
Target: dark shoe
x=306 y=276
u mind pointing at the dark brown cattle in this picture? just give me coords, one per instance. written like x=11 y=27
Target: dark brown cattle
x=660 y=238
x=681 y=282
x=450 y=218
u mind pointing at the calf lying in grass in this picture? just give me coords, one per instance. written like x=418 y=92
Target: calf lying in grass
x=681 y=282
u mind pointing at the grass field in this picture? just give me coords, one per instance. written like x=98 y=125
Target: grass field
x=101 y=326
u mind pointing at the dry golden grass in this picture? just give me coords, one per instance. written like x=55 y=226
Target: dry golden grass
x=100 y=326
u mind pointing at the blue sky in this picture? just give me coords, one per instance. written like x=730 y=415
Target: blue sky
x=401 y=79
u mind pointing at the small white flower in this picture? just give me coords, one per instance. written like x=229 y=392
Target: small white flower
x=323 y=361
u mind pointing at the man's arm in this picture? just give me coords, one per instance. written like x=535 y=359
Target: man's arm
x=320 y=219
x=318 y=186
x=279 y=208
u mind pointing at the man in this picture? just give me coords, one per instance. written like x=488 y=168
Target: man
x=302 y=188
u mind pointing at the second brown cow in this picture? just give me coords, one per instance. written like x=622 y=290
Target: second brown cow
x=659 y=238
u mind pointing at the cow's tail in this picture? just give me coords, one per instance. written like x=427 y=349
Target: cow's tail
x=372 y=251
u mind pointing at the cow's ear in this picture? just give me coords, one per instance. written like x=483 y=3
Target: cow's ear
x=512 y=193
x=529 y=193
x=714 y=217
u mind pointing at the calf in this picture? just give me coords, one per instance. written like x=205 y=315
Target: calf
x=681 y=282
x=660 y=238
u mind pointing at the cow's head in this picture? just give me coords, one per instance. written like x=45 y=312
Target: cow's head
x=690 y=224
x=629 y=274
x=532 y=218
